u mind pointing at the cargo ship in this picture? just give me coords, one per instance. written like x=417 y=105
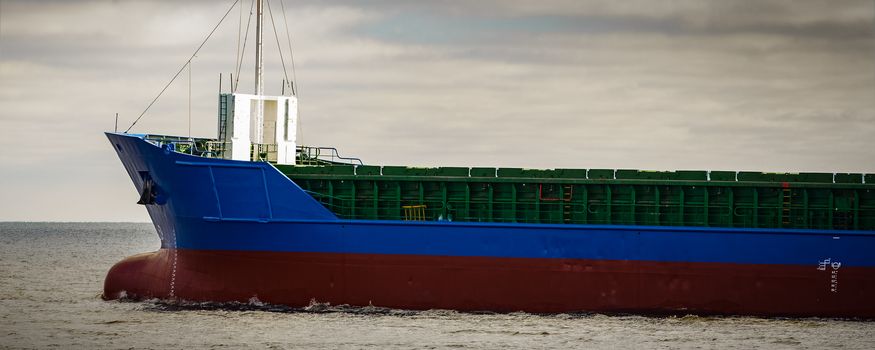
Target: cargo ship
x=252 y=215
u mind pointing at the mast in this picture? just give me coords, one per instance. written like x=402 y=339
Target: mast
x=258 y=136
x=259 y=57
x=258 y=127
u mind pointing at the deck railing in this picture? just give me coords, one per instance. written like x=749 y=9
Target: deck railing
x=313 y=155
x=212 y=148
x=201 y=147
x=262 y=152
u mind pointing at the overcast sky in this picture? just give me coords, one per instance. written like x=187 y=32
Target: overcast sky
x=779 y=86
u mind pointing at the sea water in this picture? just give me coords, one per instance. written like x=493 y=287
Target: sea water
x=51 y=277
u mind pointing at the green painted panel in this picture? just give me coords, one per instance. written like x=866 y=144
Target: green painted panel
x=639 y=175
x=682 y=198
x=450 y=171
x=722 y=176
x=815 y=177
x=571 y=173
x=482 y=172
x=367 y=170
x=600 y=174
x=690 y=175
x=394 y=170
x=683 y=175
x=529 y=173
x=849 y=178
x=764 y=177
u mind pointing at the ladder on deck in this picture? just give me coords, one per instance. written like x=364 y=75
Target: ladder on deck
x=223 y=118
x=567 y=193
x=786 y=205
x=414 y=212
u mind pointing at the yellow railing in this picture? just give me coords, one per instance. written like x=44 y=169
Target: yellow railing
x=414 y=212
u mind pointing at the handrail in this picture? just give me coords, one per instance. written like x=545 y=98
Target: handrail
x=314 y=155
x=264 y=152
x=212 y=148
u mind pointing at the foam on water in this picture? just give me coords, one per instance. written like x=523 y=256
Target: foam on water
x=51 y=277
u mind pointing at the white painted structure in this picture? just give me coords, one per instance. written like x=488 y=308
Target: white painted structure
x=257 y=127
x=275 y=132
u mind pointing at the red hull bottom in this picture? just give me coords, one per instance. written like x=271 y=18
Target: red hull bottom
x=495 y=284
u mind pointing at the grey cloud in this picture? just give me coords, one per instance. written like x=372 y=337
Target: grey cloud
x=751 y=85
x=823 y=19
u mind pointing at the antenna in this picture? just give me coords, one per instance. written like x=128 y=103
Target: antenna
x=189 y=99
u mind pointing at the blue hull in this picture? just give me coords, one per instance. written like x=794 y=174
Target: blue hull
x=214 y=205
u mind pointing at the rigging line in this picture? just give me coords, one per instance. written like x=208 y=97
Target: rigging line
x=183 y=67
x=299 y=126
x=239 y=35
x=291 y=53
x=277 y=37
x=245 y=40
